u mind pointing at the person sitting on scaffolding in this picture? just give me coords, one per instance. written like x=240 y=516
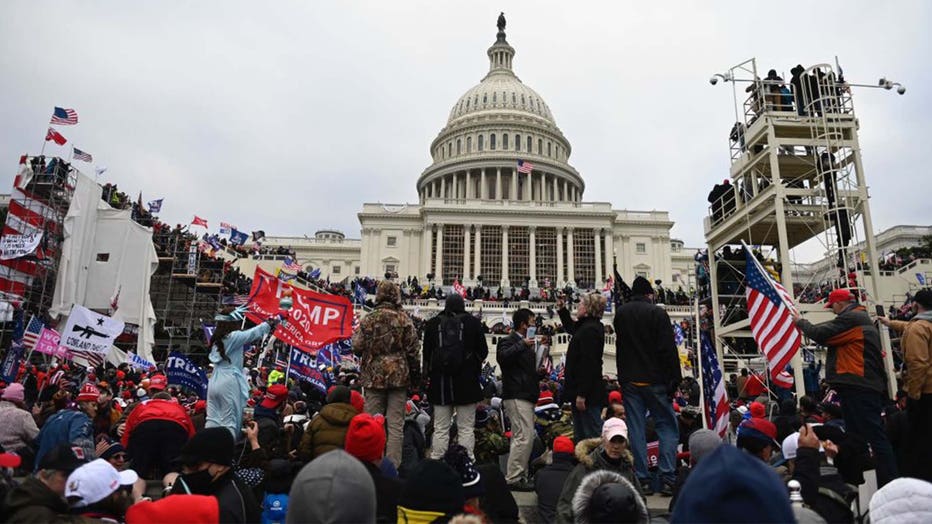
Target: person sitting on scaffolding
x=227 y=389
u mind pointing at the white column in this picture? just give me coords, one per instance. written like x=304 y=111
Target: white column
x=438 y=268
x=566 y=196
x=609 y=250
x=483 y=188
x=498 y=184
x=469 y=193
x=467 y=274
x=443 y=186
x=597 y=236
x=560 y=279
x=533 y=256
x=425 y=251
x=477 y=257
x=505 y=250
x=570 y=263
x=514 y=184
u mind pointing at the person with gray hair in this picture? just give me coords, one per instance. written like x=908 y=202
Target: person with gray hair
x=583 y=372
x=701 y=444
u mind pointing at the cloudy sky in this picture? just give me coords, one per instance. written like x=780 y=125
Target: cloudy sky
x=286 y=116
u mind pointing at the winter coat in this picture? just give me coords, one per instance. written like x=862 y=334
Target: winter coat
x=157 y=409
x=589 y=454
x=237 y=502
x=627 y=503
x=387 y=493
x=822 y=488
x=548 y=484
x=583 y=371
x=387 y=344
x=66 y=426
x=854 y=357
x=18 y=428
x=517 y=362
x=33 y=502
x=413 y=447
x=916 y=341
x=902 y=500
x=327 y=431
x=645 y=348
x=462 y=387
x=497 y=502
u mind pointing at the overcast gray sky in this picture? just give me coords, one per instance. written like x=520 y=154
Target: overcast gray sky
x=287 y=116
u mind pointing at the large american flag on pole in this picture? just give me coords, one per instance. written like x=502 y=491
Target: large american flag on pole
x=31 y=335
x=770 y=310
x=64 y=117
x=713 y=387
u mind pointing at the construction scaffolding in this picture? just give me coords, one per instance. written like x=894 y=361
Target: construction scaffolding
x=796 y=178
x=39 y=201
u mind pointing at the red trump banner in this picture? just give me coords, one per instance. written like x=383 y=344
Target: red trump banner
x=314 y=319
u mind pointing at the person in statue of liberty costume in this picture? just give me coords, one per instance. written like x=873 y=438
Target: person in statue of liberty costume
x=227 y=390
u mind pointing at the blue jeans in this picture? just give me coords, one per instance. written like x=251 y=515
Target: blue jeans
x=638 y=401
x=861 y=409
x=587 y=424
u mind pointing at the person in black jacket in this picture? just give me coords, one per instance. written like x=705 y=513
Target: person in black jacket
x=649 y=371
x=459 y=390
x=548 y=483
x=517 y=359
x=583 y=372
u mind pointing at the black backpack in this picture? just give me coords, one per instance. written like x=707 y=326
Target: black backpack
x=450 y=354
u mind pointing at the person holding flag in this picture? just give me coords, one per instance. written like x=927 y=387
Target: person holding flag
x=227 y=390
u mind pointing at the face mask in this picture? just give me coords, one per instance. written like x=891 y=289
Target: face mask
x=196 y=483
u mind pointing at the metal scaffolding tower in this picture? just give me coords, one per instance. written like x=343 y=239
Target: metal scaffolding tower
x=796 y=177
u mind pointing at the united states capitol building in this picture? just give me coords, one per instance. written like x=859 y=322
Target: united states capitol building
x=501 y=205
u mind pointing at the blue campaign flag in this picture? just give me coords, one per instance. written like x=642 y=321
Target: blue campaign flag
x=921 y=278
x=360 y=294
x=678 y=334
x=208 y=331
x=315 y=274
x=304 y=367
x=18 y=325
x=156 y=205
x=10 y=366
x=238 y=238
x=183 y=372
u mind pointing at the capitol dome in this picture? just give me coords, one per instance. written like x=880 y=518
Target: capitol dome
x=495 y=127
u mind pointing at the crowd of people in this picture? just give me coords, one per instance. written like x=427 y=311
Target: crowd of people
x=426 y=429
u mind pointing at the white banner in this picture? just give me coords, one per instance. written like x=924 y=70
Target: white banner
x=89 y=331
x=15 y=246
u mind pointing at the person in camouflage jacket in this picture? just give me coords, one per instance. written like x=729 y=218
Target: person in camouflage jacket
x=490 y=442
x=388 y=347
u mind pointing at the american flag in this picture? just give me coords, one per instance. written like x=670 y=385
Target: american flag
x=770 y=309
x=524 y=166
x=291 y=264
x=458 y=288
x=235 y=300
x=82 y=156
x=716 y=403
x=31 y=335
x=64 y=117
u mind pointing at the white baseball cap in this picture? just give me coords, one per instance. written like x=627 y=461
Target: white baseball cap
x=614 y=427
x=95 y=481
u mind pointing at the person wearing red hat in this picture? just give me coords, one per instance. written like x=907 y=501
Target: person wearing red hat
x=854 y=368
x=72 y=426
x=268 y=417
x=548 y=483
x=154 y=434
x=758 y=436
x=365 y=440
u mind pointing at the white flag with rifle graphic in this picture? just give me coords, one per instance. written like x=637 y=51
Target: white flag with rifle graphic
x=89 y=332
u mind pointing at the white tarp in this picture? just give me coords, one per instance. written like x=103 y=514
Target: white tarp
x=89 y=331
x=15 y=246
x=106 y=252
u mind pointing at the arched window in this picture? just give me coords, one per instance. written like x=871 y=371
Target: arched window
x=540 y=147
x=549 y=149
x=505 y=141
x=517 y=142
x=467 y=103
x=485 y=99
x=495 y=97
x=522 y=99
x=492 y=141
x=469 y=144
x=481 y=142
x=513 y=99
x=459 y=146
x=529 y=150
x=449 y=149
x=476 y=101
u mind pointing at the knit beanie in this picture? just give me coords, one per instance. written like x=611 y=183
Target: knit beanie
x=458 y=458
x=338 y=394
x=365 y=437
x=433 y=486
x=641 y=286
x=213 y=445
x=357 y=400
x=563 y=444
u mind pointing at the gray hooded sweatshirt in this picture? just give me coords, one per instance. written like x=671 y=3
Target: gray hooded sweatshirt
x=334 y=487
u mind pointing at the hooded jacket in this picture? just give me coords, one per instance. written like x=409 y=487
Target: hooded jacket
x=916 y=341
x=595 y=501
x=63 y=427
x=327 y=431
x=854 y=357
x=157 y=409
x=18 y=429
x=388 y=346
x=645 y=348
x=589 y=454
x=462 y=387
x=548 y=484
x=583 y=371
x=33 y=501
x=334 y=488
x=902 y=500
